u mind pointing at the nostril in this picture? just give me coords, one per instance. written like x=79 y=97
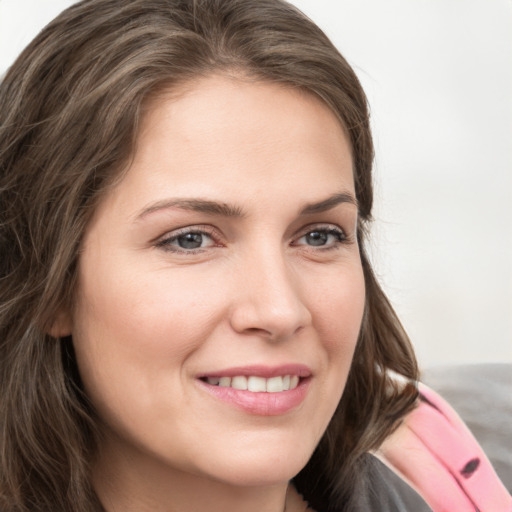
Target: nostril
x=258 y=332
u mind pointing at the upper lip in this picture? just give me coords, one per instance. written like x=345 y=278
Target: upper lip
x=266 y=372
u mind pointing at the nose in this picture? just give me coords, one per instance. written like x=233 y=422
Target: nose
x=269 y=301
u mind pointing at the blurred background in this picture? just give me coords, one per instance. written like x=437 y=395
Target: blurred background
x=438 y=75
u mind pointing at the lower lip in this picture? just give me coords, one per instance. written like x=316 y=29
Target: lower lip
x=261 y=403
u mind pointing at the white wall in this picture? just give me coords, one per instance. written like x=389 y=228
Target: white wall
x=438 y=74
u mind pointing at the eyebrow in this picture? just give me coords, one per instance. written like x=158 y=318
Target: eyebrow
x=195 y=205
x=227 y=210
x=329 y=203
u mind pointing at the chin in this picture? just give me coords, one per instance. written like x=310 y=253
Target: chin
x=261 y=474
x=260 y=466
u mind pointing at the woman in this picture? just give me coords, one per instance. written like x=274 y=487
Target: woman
x=189 y=319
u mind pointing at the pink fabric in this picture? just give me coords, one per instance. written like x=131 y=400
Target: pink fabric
x=437 y=454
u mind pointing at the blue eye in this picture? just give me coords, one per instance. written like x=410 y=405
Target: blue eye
x=190 y=240
x=322 y=237
x=187 y=241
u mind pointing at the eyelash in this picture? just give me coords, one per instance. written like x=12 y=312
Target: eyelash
x=329 y=230
x=165 y=243
x=336 y=232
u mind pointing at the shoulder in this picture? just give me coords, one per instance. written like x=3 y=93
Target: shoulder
x=384 y=491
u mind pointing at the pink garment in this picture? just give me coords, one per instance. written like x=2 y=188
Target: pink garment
x=437 y=455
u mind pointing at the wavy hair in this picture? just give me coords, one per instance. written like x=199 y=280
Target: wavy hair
x=70 y=108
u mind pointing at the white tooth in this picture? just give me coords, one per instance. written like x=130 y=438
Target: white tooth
x=256 y=384
x=286 y=383
x=294 y=381
x=225 y=382
x=214 y=381
x=275 y=385
x=239 y=382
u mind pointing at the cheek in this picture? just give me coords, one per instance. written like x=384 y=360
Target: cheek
x=128 y=328
x=339 y=326
x=339 y=311
x=131 y=341
x=337 y=314
x=134 y=306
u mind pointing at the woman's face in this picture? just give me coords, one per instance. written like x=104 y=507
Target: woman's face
x=226 y=258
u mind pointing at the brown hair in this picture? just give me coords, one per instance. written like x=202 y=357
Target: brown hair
x=69 y=112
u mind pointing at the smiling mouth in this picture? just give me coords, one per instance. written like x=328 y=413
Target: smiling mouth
x=256 y=384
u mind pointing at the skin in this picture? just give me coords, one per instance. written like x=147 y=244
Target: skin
x=151 y=316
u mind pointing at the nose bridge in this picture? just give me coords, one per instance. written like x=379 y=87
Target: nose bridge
x=269 y=300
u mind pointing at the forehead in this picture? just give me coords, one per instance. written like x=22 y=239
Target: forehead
x=238 y=138
x=241 y=113
x=205 y=95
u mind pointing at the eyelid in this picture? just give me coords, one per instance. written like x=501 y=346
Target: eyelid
x=321 y=227
x=331 y=229
x=162 y=241
x=204 y=229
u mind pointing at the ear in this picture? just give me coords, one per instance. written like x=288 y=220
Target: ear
x=61 y=325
